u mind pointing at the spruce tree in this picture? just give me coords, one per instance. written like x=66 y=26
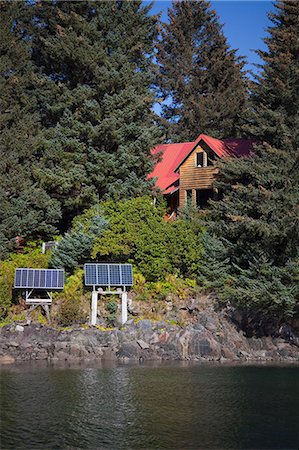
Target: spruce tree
x=76 y=246
x=275 y=97
x=26 y=209
x=200 y=77
x=97 y=118
x=257 y=219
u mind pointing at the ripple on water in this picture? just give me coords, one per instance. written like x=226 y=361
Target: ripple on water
x=164 y=406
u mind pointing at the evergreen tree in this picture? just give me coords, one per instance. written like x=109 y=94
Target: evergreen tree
x=275 y=97
x=214 y=268
x=97 y=119
x=258 y=217
x=76 y=246
x=200 y=77
x=26 y=209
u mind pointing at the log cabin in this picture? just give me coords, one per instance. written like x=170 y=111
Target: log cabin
x=185 y=172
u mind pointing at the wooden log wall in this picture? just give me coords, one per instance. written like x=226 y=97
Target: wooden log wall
x=192 y=177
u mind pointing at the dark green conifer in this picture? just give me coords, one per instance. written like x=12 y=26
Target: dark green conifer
x=258 y=216
x=200 y=77
x=275 y=97
x=26 y=209
x=76 y=246
x=98 y=123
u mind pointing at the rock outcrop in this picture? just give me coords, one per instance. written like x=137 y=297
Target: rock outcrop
x=210 y=338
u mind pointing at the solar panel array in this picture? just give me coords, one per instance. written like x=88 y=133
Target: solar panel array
x=99 y=274
x=39 y=279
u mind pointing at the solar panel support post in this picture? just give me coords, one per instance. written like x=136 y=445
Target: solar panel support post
x=94 y=306
x=43 y=302
x=38 y=301
x=94 y=303
x=124 y=306
x=108 y=279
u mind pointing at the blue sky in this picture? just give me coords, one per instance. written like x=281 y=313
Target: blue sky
x=244 y=21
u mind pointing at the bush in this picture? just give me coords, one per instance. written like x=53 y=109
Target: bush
x=71 y=301
x=139 y=234
x=111 y=307
x=173 y=286
x=32 y=258
x=132 y=231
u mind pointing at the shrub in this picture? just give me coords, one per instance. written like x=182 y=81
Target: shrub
x=139 y=234
x=111 y=307
x=261 y=289
x=32 y=258
x=71 y=301
x=184 y=247
x=157 y=291
x=136 y=233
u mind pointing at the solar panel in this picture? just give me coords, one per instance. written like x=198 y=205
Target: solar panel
x=39 y=279
x=99 y=274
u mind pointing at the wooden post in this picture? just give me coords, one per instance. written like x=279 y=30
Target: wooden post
x=194 y=197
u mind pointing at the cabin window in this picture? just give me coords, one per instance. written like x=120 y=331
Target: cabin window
x=188 y=197
x=200 y=159
x=204 y=159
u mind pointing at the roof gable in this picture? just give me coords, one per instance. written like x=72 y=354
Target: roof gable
x=223 y=148
x=174 y=155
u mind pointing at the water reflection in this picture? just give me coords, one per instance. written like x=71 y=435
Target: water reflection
x=149 y=407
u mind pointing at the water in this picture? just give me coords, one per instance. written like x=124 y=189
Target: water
x=165 y=406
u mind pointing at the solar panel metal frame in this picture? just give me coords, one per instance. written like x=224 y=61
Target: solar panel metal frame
x=108 y=274
x=43 y=279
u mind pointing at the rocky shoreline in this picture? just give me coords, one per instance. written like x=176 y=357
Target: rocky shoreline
x=142 y=340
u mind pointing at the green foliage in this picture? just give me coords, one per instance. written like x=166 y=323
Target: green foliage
x=97 y=115
x=71 y=301
x=256 y=222
x=26 y=208
x=275 y=96
x=160 y=290
x=76 y=119
x=41 y=318
x=265 y=289
x=76 y=246
x=139 y=234
x=31 y=257
x=111 y=307
x=214 y=270
x=199 y=74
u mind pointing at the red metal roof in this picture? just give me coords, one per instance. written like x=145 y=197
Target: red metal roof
x=173 y=155
x=223 y=148
x=164 y=170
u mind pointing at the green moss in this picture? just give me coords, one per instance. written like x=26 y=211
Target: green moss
x=101 y=328
x=176 y=323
